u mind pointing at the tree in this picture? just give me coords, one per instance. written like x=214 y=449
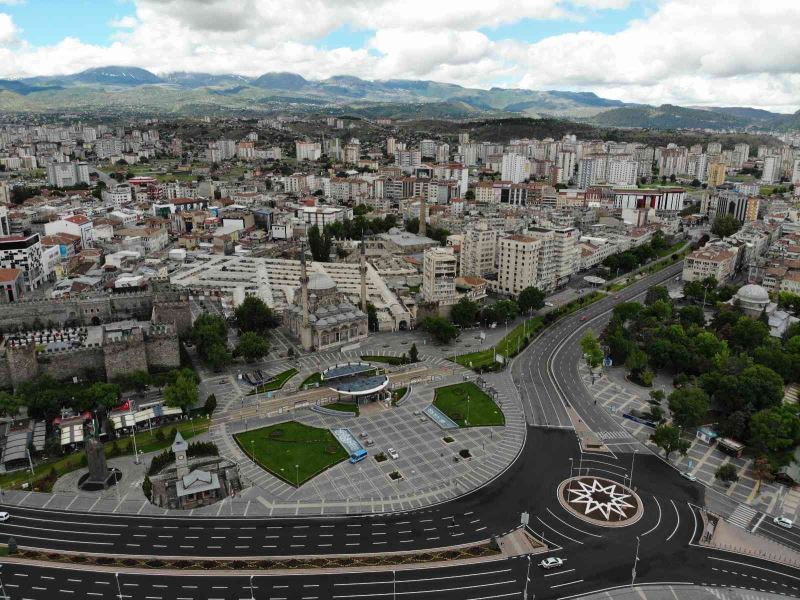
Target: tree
x=503 y=311
x=147 y=487
x=211 y=405
x=252 y=346
x=209 y=331
x=319 y=244
x=727 y=473
x=592 y=350
x=103 y=394
x=636 y=362
x=775 y=432
x=656 y=293
x=254 y=315
x=218 y=356
x=692 y=315
x=760 y=387
x=531 y=298
x=748 y=334
x=9 y=404
x=372 y=317
x=181 y=394
x=689 y=406
x=762 y=470
x=440 y=328
x=725 y=225
x=464 y=312
x=413 y=354
x=668 y=438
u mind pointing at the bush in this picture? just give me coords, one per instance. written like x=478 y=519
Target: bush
x=464 y=453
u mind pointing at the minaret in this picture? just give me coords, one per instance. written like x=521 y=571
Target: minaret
x=304 y=286
x=422 y=217
x=363 y=270
x=306 y=334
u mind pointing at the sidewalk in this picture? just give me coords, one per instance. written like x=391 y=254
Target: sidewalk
x=735 y=539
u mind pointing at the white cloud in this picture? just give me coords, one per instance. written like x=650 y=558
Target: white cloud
x=682 y=51
x=126 y=22
x=8 y=31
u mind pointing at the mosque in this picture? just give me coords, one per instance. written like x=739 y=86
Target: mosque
x=320 y=316
x=753 y=300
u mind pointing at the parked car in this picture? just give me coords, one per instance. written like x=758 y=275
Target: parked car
x=549 y=304
x=783 y=522
x=689 y=476
x=551 y=562
x=393 y=453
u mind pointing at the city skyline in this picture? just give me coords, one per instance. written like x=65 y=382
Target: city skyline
x=649 y=51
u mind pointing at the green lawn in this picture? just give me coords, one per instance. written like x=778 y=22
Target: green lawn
x=311 y=379
x=343 y=407
x=398 y=394
x=277 y=383
x=509 y=346
x=479 y=411
x=146 y=441
x=278 y=448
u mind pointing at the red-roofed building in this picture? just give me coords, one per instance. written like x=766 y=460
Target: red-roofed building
x=79 y=225
x=11 y=285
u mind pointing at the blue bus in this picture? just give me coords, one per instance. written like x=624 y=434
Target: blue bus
x=358 y=455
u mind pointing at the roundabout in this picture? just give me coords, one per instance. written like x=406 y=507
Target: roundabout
x=600 y=501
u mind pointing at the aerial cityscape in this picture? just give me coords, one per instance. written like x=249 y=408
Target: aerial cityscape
x=347 y=300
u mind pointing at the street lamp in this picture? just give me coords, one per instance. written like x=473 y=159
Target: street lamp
x=119 y=589
x=635 y=561
x=394 y=585
x=252 y=594
x=133 y=430
x=297 y=474
x=252 y=451
x=467 y=421
x=633 y=461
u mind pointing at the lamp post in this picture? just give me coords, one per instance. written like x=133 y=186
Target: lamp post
x=467 y=421
x=252 y=594
x=635 y=561
x=633 y=461
x=133 y=429
x=119 y=589
x=394 y=585
x=297 y=475
x=252 y=450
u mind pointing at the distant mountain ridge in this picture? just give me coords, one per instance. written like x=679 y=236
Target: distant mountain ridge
x=181 y=92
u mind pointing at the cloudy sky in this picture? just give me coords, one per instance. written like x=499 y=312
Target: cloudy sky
x=689 y=52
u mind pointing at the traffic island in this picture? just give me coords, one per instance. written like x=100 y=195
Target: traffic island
x=292 y=451
x=600 y=501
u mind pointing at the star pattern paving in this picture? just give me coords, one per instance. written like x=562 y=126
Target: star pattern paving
x=598 y=497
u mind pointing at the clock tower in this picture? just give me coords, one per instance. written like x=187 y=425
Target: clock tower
x=179 y=447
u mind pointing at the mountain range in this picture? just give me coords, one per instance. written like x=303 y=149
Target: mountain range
x=133 y=88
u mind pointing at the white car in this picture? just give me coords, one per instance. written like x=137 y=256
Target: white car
x=549 y=304
x=783 y=522
x=689 y=476
x=4 y=516
x=393 y=453
x=552 y=562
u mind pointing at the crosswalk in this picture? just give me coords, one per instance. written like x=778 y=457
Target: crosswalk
x=614 y=435
x=742 y=516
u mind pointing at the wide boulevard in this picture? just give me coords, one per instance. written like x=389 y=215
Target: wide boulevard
x=595 y=557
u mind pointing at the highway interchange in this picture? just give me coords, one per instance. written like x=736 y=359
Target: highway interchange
x=596 y=558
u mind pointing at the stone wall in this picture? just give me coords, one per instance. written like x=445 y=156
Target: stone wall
x=175 y=312
x=66 y=364
x=163 y=350
x=126 y=356
x=22 y=364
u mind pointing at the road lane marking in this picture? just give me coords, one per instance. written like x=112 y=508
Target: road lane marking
x=559 y=573
x=735 y=562
x=558 y=532
x=649 y=531
x=568 y=583
x=572 y=526
x=677 y=514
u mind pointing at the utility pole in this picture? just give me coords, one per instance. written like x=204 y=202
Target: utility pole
x=2 y=587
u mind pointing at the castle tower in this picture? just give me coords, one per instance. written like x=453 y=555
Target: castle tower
x=363 y=270
x=179 y=447
x=422 y=216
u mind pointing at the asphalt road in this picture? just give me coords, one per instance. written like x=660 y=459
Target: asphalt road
x=595 y=557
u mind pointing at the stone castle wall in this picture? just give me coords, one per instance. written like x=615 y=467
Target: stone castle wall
x=163 y=350
x=125 y=356
x=65 y=364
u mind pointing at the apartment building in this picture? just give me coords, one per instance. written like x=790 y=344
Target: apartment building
x=439 y=271
x=478 y=251
x=710 y=261
x=559 y=256
x=66 y=174
x=24 y=253
x=517 y=263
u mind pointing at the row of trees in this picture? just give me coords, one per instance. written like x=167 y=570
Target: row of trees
x=732 y=372
x=466 y=313
x=623 y=262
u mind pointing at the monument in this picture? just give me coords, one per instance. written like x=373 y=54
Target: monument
x=99 y=477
